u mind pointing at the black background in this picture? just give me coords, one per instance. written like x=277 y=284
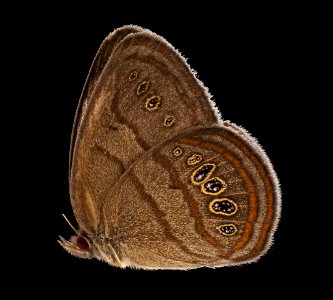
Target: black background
x=246 y=56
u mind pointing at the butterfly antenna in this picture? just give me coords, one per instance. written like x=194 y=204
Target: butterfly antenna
x=70 y=224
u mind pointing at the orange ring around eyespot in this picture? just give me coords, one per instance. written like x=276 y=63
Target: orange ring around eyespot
x=194 y=159
x=208 y=174
x=220 y=212
x=175 y=153
x=157 y=104
x=246 y=234
x=232 y=225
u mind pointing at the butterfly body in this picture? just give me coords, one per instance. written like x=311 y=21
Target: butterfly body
x=158 y=180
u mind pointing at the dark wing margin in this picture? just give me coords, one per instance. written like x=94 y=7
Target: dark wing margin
x=99 y=62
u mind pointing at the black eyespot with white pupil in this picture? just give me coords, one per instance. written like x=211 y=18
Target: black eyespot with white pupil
x=202 y=173
x=227 y=229
x=153 y=102
x=224 y=206
x=214 y=186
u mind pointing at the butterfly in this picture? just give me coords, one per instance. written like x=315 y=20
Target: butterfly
x=157 y=179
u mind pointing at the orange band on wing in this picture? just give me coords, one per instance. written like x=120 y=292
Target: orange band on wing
x=269 y=193
x=249 y=185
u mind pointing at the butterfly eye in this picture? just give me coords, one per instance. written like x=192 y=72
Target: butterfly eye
x=227 y=229
x=82 y=243
x=223 y=206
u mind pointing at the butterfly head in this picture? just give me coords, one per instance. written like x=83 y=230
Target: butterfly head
x=78 y=245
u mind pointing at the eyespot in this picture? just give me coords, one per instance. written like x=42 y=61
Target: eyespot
x=214 y=186
x=223 y=206
x=227 y=229
x=177 y=151
x=202 y=173
x=153 y=102
x=194 y=159
x=133 y=76
x=143 y=87
x=168 y=121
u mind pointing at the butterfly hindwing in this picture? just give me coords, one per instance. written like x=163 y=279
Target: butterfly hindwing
x=206 y=197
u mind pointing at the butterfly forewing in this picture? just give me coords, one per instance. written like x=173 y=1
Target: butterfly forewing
x=139 y=93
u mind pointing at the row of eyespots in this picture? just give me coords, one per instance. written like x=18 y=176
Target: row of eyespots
x=200 y=176
x=192 y=160
x=153 y=102
x=211 y=186
x=215 y=186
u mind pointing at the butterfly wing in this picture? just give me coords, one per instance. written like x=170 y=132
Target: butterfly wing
x=139 y=92
x=206 y=197
x=97 y=67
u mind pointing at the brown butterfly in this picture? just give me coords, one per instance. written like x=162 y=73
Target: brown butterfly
x=157 y=179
